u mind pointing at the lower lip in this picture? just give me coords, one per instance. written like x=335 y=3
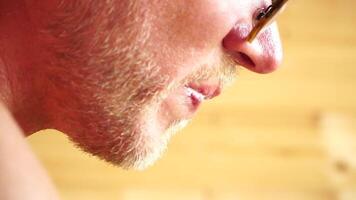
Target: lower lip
x=195 y=102
x=178 y=105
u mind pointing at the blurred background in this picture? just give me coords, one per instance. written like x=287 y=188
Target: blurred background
x=287 y=135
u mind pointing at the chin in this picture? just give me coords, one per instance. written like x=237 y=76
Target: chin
x=133 y=139
x=152 y=133
x=149 y=148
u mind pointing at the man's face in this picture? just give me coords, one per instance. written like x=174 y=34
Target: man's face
x=126 y=75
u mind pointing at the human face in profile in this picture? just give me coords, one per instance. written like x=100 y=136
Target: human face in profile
x=129 y=74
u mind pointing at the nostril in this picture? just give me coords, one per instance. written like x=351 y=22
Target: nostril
x=244 y=60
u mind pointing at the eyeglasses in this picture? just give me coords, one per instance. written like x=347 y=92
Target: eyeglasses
x=265 y=17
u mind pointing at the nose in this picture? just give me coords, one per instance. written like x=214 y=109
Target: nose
x=263 y=55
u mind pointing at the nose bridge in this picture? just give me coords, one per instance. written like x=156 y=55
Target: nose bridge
x=263 y=55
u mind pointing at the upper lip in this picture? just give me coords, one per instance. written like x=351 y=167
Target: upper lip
x=207 y=89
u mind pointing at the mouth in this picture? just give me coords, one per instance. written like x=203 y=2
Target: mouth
x=183 y=102
x=201 y=92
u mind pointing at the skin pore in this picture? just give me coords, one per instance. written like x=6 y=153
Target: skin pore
x=113 y=75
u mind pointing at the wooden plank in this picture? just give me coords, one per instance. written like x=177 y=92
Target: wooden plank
x=339 y=136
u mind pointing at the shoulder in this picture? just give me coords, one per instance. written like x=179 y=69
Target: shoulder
x=21 y=174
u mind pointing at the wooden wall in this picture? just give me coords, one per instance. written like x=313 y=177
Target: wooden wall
x=287 y=135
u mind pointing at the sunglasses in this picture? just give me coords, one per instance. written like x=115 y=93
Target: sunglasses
x=265 y=17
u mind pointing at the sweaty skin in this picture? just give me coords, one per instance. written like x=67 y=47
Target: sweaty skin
x=121 y=77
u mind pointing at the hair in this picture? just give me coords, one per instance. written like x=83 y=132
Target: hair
x=106 y=87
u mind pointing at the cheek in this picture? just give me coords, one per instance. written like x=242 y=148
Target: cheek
x=199 y=24
x=187 y=32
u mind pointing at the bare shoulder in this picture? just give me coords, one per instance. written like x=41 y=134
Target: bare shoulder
x=21 y=174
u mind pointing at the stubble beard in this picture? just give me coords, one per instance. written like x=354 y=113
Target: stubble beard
x=117 y=91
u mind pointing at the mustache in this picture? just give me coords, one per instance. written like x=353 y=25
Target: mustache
x=225 y=70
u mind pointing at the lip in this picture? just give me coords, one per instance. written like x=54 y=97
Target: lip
x=203 y=91
x=208 y=90
x=183 y=102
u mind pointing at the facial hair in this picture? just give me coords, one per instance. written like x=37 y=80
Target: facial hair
x=107 y=90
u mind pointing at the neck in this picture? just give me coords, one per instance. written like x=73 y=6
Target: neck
x=5 y=93
x=18 y=72
x=19 y=96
